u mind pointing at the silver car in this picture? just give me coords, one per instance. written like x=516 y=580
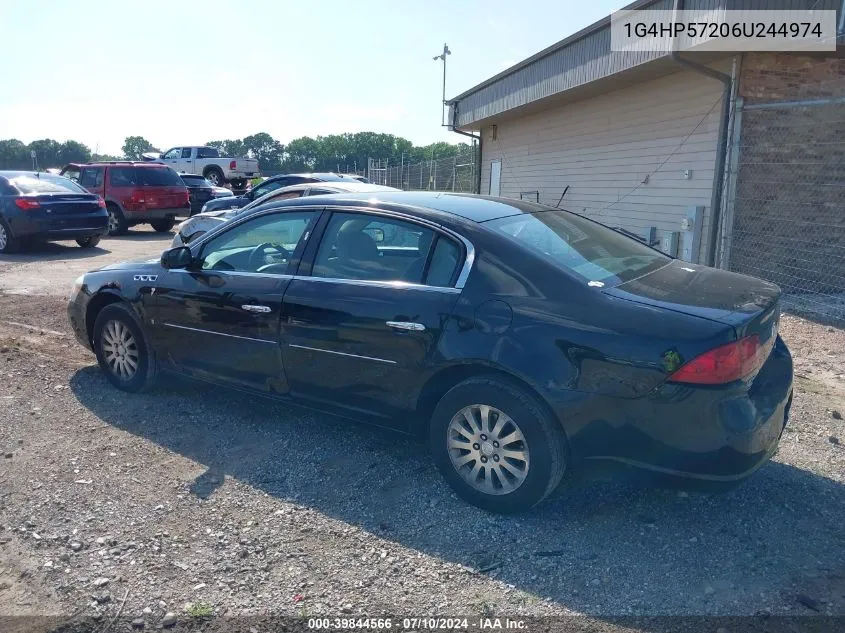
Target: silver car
x=202 y=223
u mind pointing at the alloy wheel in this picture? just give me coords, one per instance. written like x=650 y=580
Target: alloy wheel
x=4 y=237
x=120 y=350
x=114 y=222
x=487 y=449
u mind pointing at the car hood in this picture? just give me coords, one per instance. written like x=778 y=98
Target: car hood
x=711 y=293
x=139 y=265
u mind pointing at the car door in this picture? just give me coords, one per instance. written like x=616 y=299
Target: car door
x=219 y=318
x=172 y=158
x=93 y=179
x=186 y=161
x=359 y=322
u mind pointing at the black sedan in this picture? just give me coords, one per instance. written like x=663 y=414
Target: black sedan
x=524 y=341
x=271 y=184
x=39 y=206
x=200 y=191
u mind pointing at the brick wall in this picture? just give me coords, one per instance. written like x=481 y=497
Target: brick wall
x=789 y=212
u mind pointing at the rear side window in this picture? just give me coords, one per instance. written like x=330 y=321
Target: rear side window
x=443 y=263
x=207 y=152
x=186 y=152
x=123 y=176
x=159 y=177
x=6 y=189
x=91 y=177
x=591 y=250
x=45 y=183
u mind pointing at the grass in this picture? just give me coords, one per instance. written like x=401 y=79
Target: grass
x=200 y=610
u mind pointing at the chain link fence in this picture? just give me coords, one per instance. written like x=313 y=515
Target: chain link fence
x=788 y=207
x=455 y=173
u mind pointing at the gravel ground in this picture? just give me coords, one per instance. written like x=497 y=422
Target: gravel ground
x=193 y=500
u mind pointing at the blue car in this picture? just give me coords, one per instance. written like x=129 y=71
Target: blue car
x=38 y=206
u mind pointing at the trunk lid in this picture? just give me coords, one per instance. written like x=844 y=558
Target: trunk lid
x=748 y=304
x=67 y=204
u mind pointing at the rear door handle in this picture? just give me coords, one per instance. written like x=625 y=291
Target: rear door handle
x=406 y=326
x=260 y=309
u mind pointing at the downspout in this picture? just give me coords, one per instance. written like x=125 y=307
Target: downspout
x=722 y=148
x=454 y=129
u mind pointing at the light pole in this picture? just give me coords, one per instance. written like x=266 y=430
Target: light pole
x=442 y=56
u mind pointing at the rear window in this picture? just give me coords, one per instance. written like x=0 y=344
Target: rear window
x=159 y=177
x=590 y=250
x=195 y=181
x=45 y=183
x=207 y=152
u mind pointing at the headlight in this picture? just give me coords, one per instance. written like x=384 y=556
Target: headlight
x=77 y=286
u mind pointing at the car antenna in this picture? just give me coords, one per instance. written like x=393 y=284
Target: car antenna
x=561 y=197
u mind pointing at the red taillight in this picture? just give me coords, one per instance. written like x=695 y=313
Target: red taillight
x=27 y=205
x=722 y=365
x=233 y=164
x=137 y=196
x=101 y=203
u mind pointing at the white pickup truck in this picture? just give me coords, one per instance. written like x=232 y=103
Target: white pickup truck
x=207 y=161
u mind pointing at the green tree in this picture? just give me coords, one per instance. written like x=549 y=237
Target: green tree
x=267 y=150
x=14 y=155
x=135 y=146
x=73 y=152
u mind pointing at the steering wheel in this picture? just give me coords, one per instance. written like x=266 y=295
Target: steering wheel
x=258 y=258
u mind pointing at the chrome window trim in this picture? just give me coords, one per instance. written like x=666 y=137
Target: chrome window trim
x=329 y=351
x=469 y=259
x=243 y=338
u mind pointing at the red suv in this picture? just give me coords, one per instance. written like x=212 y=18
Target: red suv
x=135 y=193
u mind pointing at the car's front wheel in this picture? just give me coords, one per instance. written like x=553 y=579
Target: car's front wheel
x=122 y=349
x=496 y=445
x=8 y=243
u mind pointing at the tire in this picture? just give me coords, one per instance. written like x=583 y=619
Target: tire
x=163 y=226
x=8 y=243
x=89 y=242
x=117 y=221
x=112 y=324
x=527 y=480
x=214 y=175
x=240 y=185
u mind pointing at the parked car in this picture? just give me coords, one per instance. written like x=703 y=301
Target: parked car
x=37 y=206
x=135 y=193
x=523 y=341
x=357 y=177
x=221 y=192
x=200 y=191
x=202 y=223
x=271 y=184
x=207 y=161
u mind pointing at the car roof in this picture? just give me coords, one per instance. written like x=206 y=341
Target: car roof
x=467 y=206
x=119 y=163
x=351 y=186
x=16 y=173
x=320 y=176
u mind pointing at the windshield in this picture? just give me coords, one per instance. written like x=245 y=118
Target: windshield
x=46 y=183
x=195 y=181
x=159 y=177
x=591 y=250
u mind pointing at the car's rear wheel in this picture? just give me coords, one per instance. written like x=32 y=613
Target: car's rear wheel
x=163 y=226
x=239 y=185
x=117 y=221
x=122 y=349
x=496 y=445
x=214 y=176
x=89 y=242
x=8 y=242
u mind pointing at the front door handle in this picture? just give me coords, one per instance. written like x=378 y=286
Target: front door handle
x=260 y=309
x=405 y=326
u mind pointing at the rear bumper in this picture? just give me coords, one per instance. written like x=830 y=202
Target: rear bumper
x=697 y=437
x=59 y=228
x=155 y=214
x=241 y=175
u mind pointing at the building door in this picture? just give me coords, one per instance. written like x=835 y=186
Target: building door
x=495 y=178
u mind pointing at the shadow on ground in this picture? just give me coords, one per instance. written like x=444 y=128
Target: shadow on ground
x=601 y=549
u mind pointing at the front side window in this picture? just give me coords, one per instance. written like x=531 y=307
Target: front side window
x=91 y=177
x=366 y=247
x=592 y=251
x=261 y=245
x=173 y=154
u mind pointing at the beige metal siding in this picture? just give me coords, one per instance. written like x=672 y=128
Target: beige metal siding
x=606 y=146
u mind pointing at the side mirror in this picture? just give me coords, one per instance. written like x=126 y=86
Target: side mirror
x=179 y=257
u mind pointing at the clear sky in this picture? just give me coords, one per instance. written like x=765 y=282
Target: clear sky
x=187 y=72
